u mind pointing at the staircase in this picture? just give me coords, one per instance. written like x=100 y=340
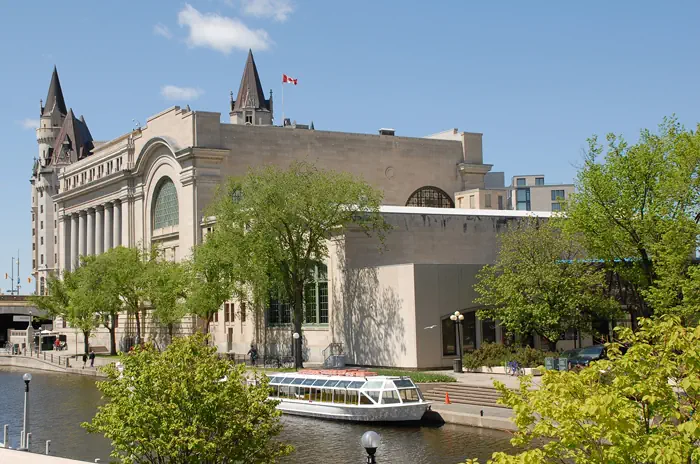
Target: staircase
x=464 y=394
x=331 y=354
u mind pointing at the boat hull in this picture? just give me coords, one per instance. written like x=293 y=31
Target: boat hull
x=356 y=413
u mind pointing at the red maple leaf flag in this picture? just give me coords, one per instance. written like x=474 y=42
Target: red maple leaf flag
x=289 y=80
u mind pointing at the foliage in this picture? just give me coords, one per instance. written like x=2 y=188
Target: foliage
x=540 y=283
x=638 y=213
x=165 y=286
x=186 y=405
x=276 y=224
x=636 y=407
x=416 y=376
x=496 y=354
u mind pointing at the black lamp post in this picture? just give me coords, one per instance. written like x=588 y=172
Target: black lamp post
x=457 y=318
x=25 y=429
x=370 y=441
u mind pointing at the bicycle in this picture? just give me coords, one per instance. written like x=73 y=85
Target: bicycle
x=514 y=369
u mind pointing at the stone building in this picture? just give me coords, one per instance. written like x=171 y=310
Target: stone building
x=150 y=186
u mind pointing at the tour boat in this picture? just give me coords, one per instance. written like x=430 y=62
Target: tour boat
x=352 y=395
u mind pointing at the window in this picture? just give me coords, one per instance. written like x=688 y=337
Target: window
x=42 y=286
x=165 y=206
x=488 y=331
x=471 y=201
x=55 y=258
x=33 y=232
x=459 y=202
x=242 y=313
x=557 y=195
x=41 y=208
x=280 y=313
x=33 y=263
x=41 y=193
x=448 y=338
x=232 y=314
x=55 y=239
x=42 y=225
x=226 y=313
x=63 y=322
x=54 y=207
x=54 y=224
x=316 y=297
x=431 y=197
x=41 y=240
x=523 y=199
x=487 y=200
x=556 y=206
x=33 y=246
x=216 y=316
x=520 y=182
x=248 y=117
x=500 y=201
x=539 y=180
x=42 y=259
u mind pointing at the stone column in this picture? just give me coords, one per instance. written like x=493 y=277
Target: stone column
x=64 y=244
x=99 y=230
x=91 y=232
x=108 y=227
x=117 y=223
x=82 y=237
x=74 y=247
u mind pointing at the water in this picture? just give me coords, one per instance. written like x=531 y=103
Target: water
x=60 y=402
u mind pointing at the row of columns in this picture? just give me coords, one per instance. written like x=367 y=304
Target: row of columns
x=91 y=232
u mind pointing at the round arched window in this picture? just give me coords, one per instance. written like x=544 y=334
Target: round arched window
x=431 y=197
x=165 y=207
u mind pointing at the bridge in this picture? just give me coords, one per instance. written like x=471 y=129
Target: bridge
x=19 y=305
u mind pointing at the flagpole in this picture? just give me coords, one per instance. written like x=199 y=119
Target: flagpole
x=282 y=104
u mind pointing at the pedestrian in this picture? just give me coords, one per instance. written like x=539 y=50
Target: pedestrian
x=84 y=360
x=92 y=358
x=253 y=353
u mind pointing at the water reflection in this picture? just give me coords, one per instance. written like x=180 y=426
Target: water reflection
x=60 y=402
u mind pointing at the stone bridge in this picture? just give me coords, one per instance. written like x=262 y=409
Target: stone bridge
x=20 y=305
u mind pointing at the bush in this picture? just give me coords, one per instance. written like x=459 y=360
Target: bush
x=495 y=354
x=417 y=377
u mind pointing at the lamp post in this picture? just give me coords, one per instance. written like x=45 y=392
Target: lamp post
x=457 y=318
x=370 y=442
x=25 y=429
x=295 y=336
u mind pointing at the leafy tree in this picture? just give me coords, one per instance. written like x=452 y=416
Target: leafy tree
x=541 y=284
x=638 y=210
x=165 y=286
x=277 y=224
x=637 y=407
x=186 y=405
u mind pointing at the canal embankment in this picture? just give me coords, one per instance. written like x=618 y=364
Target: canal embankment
x=10 y=456
x=53 y=364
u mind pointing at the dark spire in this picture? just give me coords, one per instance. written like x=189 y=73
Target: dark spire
x=250 y=93
x=55 y=97
x=312 y=126
x=74 y=142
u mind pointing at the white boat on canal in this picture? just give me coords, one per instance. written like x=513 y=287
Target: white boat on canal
x=350 y=395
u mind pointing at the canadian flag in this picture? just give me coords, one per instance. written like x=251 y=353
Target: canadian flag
x=289 y=80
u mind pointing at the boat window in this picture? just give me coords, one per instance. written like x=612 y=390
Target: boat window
x=339 y=396
x=284 y=392
x=409 y=395
x=309 y=381
x=374 y=394
x=343 y=384
x=374 y=384
x=390 y=397
x=275 y=391
x=403 y=383
x=352 y=397
x=320 y=382
x=287 y=381
x=364 y=399
x=331 y=383
x=327 y=395
x=298 y=381
x=356 y=384
x=277 y=379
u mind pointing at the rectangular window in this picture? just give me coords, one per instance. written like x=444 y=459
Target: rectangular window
x=469 y=331
x=54 y=224
x=539 y=180
x=487 y=200
x=55 y=239
x=280 y=313
x=216 y=316
x=242 y=313
x=520 y=182
x=448 y=338
x=63 y=322
x=523 y=199
x=232 y=309
x=41 y=240
x=556 y=206
x=459 y=202
x=33 y=263
x=557 y=195
x=41 y=208
x=55 y=258
x=42 y=259
x=42 y=225
x=488 y=331
x=249 y=118
x=471 y=201
x=500 y=201
x=33 y=246
x=54 y=207
x=226 y=306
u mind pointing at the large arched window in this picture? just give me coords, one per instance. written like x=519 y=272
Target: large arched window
x=431 y=197
x=165 y=207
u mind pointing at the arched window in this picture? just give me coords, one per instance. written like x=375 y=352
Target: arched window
x=165 y=207
x=431 y=197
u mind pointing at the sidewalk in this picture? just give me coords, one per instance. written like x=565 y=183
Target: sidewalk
x=478 y=379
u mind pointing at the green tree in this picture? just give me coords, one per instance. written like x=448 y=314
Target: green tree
x=637 y=407
x=637 y=208
x=277 y=224
x=166 y=287
x=186 y=405
x=541 y=284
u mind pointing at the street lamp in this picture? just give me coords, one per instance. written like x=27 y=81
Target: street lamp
x=25 y=430
x=457 y=318
x=295 y=336
x=370 y=442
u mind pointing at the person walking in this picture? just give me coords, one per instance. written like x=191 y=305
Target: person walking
x=92 y=358
x=253 y=353
x=84 y=360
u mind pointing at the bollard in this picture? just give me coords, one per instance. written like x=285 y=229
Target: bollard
x=29 y=440
x=48 y=443
x=6 y=440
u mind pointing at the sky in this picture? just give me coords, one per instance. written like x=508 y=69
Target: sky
x=536 y=78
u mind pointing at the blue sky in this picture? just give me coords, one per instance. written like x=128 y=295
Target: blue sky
x=536 y=78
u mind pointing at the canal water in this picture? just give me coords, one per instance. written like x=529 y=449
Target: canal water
x=60 y=402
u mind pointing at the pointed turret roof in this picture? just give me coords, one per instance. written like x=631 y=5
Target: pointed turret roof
x=54 y=99
x=74 y=142
x=250 y=93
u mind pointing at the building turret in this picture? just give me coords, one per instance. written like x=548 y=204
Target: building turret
x=53 y=113
x=250 y=106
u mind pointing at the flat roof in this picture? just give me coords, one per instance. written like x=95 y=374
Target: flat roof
x=462 y=211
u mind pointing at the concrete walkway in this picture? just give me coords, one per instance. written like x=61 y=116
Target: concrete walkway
x=8 y=456
x=473 y=416
x=478 y=379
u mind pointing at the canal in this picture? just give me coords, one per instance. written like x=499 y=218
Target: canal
x=60 y=402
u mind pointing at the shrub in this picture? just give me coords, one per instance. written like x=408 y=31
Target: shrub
x=417 y=377
x=495 y=354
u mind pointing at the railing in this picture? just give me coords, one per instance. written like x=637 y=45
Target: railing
x=334 y=349
x=48 y=356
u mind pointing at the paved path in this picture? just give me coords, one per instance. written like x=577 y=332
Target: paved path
x=21 y=457
x=478 y=379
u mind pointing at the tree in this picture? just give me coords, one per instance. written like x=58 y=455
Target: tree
x=277 y=224
x=637 y=407
x=165 y=286
x=186 y=405
x=638 y=211
x=541 y=284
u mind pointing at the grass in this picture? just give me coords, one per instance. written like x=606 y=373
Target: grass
x=417 y=377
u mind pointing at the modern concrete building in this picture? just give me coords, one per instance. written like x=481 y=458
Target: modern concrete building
x=531 y=193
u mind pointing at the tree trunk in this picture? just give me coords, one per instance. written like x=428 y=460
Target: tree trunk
x=170 y=333
x=138 y=327
x=298 y=318
x=86 y=341
x=551 y=345
x=112 y=337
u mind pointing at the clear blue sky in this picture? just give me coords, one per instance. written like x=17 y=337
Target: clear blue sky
x=536 y=78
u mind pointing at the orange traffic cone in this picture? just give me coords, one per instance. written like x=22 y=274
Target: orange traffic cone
x=447 y=398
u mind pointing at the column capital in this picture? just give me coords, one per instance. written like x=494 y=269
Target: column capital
x=82 y=213
x=99 y=207
x=109 y=205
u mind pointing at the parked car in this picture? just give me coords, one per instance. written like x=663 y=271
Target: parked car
x=585 y=356
x=570 y=353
